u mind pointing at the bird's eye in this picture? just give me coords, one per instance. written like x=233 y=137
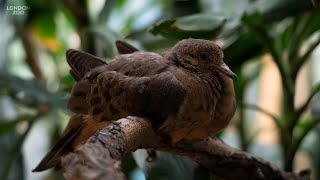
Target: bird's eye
x=203 y=56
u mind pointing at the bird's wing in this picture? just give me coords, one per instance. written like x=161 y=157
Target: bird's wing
x=132 y=84
x=129 y=85
x=194 y=118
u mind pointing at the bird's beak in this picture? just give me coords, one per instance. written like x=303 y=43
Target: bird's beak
x=226 y=70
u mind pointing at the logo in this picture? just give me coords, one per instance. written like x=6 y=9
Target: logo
x=17 y=10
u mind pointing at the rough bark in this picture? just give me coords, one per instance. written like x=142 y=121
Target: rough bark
x=100 y=157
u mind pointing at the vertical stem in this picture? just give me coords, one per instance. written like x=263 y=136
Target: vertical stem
x=288 y=163
x=242 y=130
x=241 y=125
x=288 y=112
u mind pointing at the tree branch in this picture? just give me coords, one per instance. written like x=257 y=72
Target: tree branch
x=100 y=156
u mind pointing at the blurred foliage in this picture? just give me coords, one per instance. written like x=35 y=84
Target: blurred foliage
x=196 y=26
x=34 y=79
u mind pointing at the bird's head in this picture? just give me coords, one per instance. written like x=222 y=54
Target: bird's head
x=199 y=54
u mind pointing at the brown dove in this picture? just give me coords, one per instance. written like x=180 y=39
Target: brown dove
x=187 y=92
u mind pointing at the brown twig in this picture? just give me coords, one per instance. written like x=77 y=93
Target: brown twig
x=100 y=156
x=31 y=54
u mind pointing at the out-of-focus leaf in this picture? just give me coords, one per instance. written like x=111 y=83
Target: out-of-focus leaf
x=14 y=152
x=44 y=29
x=195 y=26
x=7 y=126
x=226 y=7
x=314 y=25
x=29 y=91
x=16 y=167
x=203 y=22
x=245 y=47
x=105 y=38
x=68 y=82
x=106 y=10
x=246 y=74
x=128 y=164
x=253 y=20
x=121 y=3
x=275 y=10
x=68 y=15
x=170 y=167
x=232 y=11
x=282 y=39
x=181 y=8
x=42 y=22
x=305 y=26
x=151 y=42
x=6 y=39
x=304 y=125
x=40 y=8
x=44 y=25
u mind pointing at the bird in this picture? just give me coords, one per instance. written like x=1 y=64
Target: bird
x=187 y=92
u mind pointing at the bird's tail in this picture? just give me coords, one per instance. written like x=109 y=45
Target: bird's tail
x=63 y=146
x=79 y=129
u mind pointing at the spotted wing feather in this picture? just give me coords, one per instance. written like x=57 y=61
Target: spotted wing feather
x=134 y=84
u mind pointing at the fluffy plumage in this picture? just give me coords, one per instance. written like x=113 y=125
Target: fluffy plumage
x=188 y=92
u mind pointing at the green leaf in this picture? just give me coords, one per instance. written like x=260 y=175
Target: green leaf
x=106 y=11
x=8 y=126
x=30 y=92
x=68 y=82
x=105 y=38
x=245 y=47
x=41 y=17
x=121 y=3
x=275 y=10
x=128 y=164
x=305 y=125
x=195 y=26
x=283 y=38
x=253 y=19
x=227 y=7
x=314 y=25
x=203 y=22
x=44 y=25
